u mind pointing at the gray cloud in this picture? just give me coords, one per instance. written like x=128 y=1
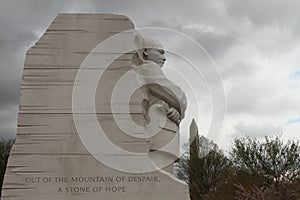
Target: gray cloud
x=202 y=20
x=256 y=130
x=12 y=53
x=265 y=13
x=238 y=70
x=216 y=43
x=8 y=121
x=248 y=95
x=142 y=12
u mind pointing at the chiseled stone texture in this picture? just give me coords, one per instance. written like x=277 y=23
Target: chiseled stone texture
x=48 y=160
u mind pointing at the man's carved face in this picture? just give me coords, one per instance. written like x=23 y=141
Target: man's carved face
x=155 y=55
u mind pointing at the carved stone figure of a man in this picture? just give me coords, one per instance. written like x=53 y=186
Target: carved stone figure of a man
x=151 y=61
x=160 y=94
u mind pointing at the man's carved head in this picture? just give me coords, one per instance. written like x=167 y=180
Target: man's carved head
x=153 y=51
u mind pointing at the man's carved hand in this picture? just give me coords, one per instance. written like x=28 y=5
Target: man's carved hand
x=173 y=115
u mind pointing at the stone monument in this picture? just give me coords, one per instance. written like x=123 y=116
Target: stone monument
x=98 y=119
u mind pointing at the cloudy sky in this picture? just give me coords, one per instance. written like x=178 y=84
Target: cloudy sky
x=255 y=46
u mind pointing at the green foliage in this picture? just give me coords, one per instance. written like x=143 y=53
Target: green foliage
x=260 y=170
x=268 y=169
x=271 y=159
x=5 y=146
